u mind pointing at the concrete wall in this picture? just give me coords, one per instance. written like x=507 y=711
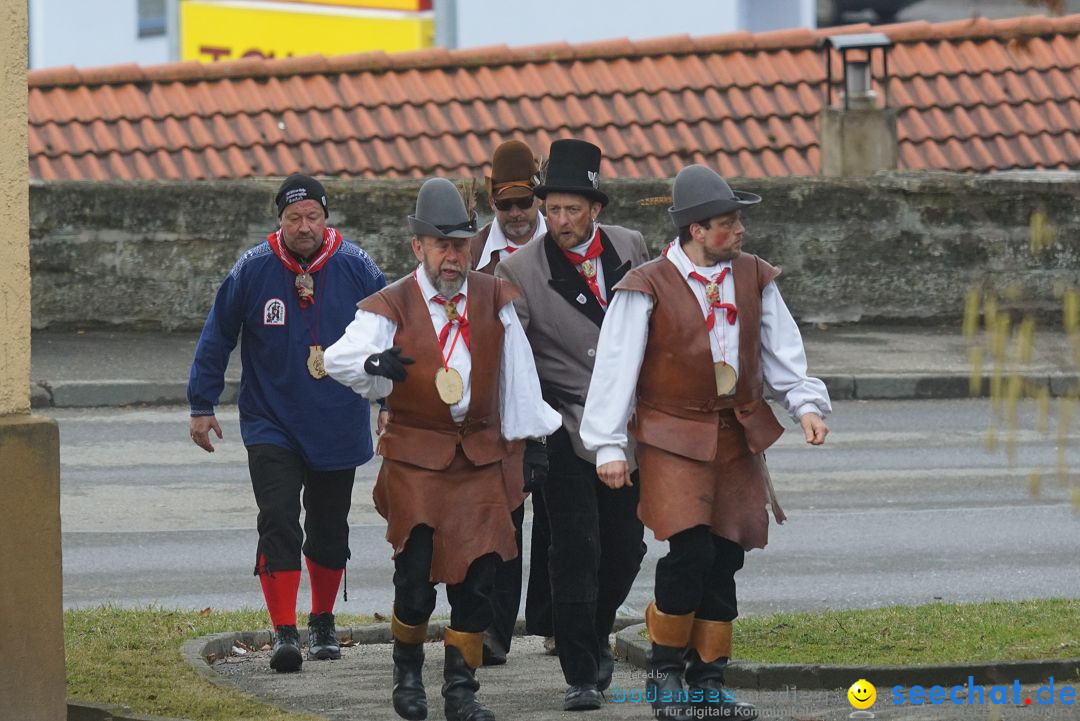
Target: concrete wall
x=896 y=247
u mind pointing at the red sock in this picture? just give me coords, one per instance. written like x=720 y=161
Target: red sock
x=279 y=590
x=324 y=586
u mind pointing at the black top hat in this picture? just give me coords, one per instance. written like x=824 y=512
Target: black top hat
x=573 y=167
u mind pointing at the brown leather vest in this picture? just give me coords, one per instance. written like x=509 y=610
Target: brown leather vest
x=476 y=247
x=421 y=430
x=678 y=409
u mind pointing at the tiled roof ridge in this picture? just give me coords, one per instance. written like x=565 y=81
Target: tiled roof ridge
x=799 y=38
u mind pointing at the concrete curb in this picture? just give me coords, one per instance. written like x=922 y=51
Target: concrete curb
x=91 y=394
x=867 y=386
x=631 y=646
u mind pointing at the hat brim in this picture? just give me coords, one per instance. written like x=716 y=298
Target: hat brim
x=512 y=192
x=541 y=191
x=712 y=208
x=422 y=227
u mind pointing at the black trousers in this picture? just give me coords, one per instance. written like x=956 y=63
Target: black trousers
x=414 y=593
x=596 y=551
x=281 y=479
x=506 y=591
x=538 y=607
x=506 y=595
x=698 y=575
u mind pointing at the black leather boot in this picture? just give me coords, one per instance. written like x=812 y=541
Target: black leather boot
x=285 y=656
x=322 y=637
x=410 y=700
x=664 y=687
x=670 y=635
x=459 y=674
x=708 y=678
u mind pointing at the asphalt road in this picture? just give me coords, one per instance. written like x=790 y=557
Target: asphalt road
x=904 y=504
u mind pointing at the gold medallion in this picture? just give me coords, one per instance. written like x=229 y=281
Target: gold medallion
x=449 y=385
x=305 y=285
x=588 y=269
x=315 y=362
x=725 y=378
x=712 y=292
x=451 y=311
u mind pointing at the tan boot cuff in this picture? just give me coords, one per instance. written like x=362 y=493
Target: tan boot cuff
x=711 y=639
x=471 y=645
x=667 y=629
x=406 y=633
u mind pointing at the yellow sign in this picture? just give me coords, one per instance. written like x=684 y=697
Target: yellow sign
x=229 y=30
x=384 y=4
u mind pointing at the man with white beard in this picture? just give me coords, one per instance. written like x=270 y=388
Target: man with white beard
x=470 y=387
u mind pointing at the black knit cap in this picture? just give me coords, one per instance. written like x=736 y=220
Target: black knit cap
x=298 y=187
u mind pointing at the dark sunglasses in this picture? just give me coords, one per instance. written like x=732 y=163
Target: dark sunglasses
x=522 y=203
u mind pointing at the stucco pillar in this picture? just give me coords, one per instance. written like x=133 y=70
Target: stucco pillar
x=14 y=214
x=31 y=596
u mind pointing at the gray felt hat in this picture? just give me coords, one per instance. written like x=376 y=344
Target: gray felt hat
x=700 y=193
x=440 y=212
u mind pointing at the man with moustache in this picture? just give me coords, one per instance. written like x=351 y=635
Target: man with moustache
x=707 y=328
x=514 y=174
x=305 y=435
x=566 y=280
x=444 y=346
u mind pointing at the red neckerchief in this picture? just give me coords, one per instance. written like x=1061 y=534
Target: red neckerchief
x=462 y=321
x=596 y=247
x=331 y=243
x=714 y=302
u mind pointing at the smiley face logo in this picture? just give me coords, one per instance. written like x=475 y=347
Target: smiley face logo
x=862 y=694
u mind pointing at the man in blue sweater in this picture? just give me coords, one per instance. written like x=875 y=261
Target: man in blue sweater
x=289 y=297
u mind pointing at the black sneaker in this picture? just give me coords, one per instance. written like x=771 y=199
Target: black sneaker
x=286 y=656
x=583 y=697
x=322 y=637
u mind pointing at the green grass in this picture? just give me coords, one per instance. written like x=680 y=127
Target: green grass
x=937 y=633
x=132 y=658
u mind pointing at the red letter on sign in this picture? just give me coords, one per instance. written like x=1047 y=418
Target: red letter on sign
x=215 y=53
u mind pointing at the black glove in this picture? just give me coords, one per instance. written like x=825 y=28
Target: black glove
x=536 y=465
x=388 y=364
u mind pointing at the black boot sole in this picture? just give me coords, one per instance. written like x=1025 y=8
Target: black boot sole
x=287 y=660
x=418 y=714
x=476 y=714
x=324 y=654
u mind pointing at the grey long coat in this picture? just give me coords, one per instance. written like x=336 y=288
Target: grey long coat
x=562 y=329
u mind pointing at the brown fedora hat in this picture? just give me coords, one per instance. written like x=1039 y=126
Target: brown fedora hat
x=514 y=171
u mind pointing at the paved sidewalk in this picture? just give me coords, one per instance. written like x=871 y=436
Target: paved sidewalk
x=116 y=368
x=530 y=686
